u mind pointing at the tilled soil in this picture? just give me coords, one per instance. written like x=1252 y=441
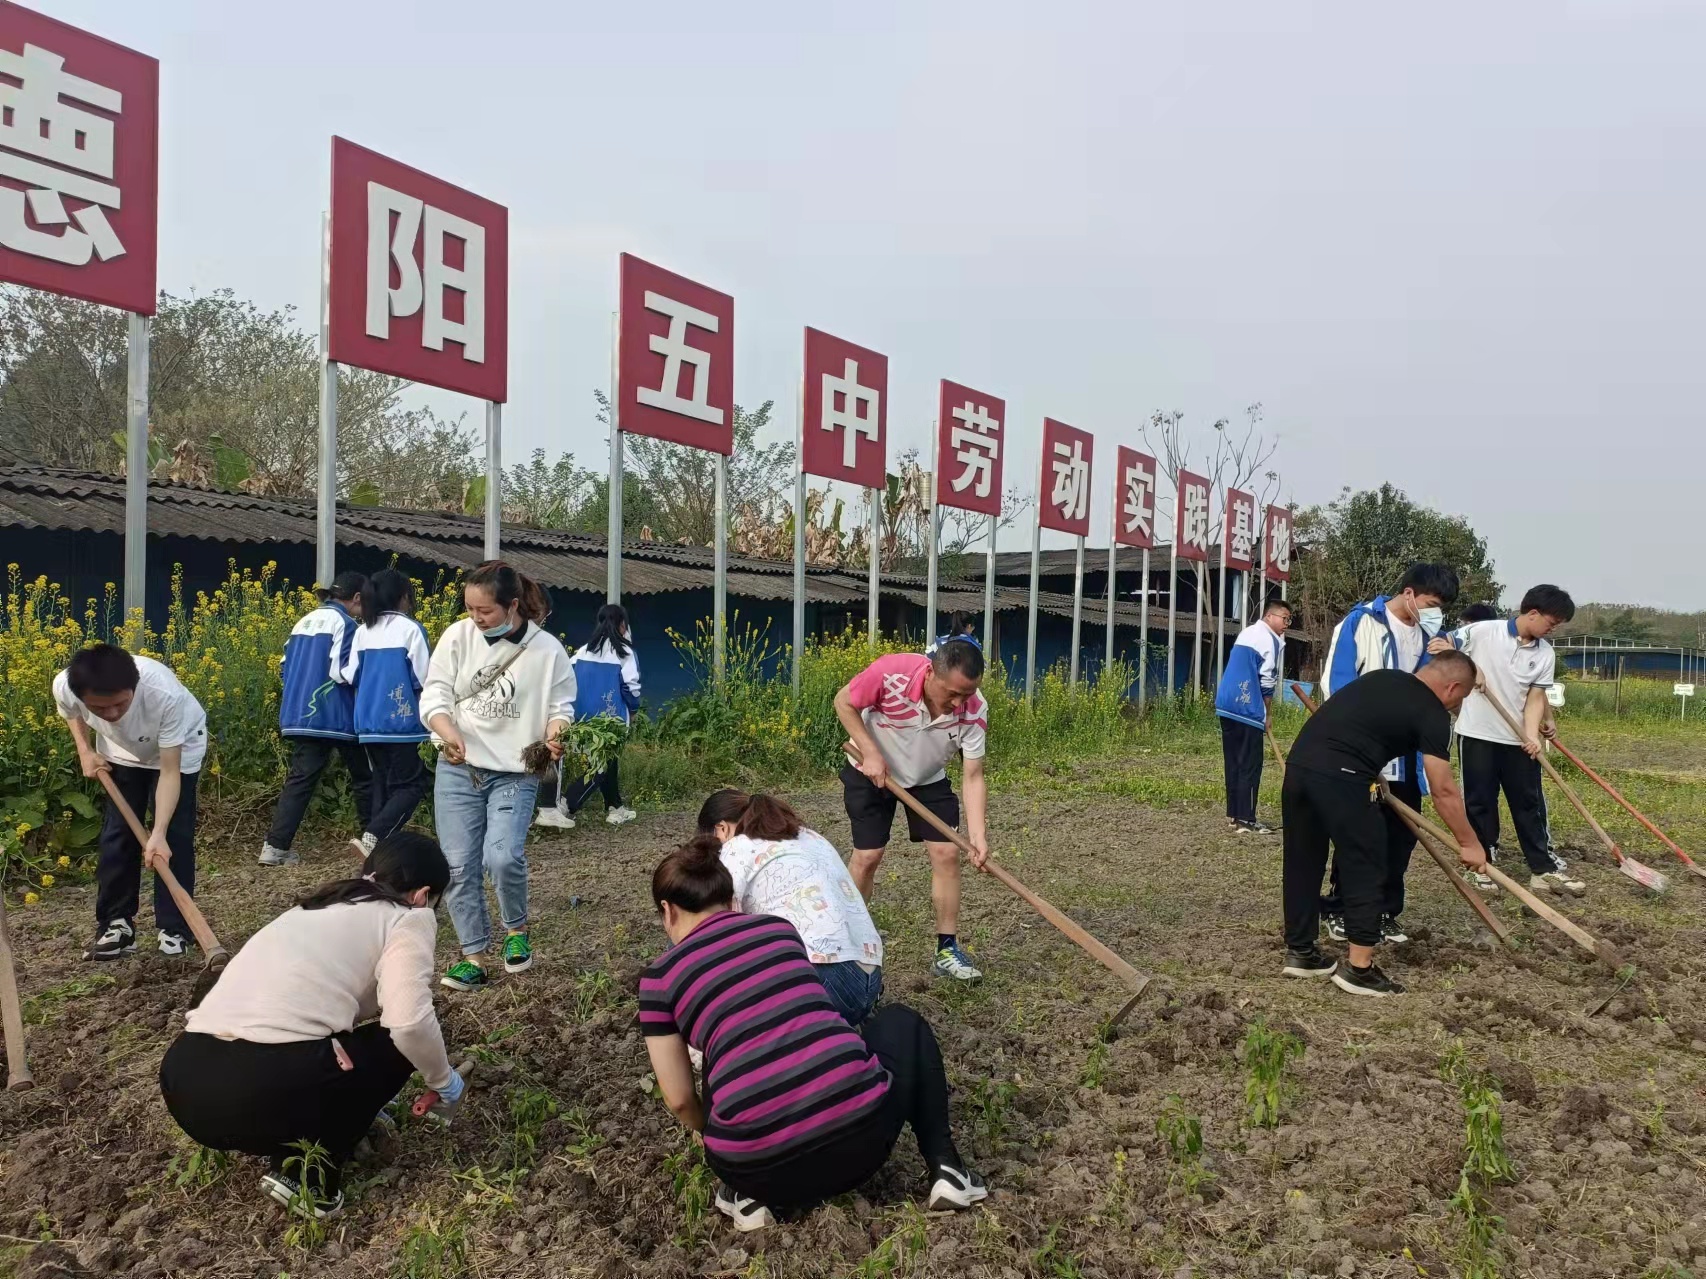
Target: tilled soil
x=1604 y=1112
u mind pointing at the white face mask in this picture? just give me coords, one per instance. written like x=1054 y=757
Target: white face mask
x=1430 y=620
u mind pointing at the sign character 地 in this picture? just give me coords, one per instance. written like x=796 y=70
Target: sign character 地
x=675 y=358
x=1134 y=517
x=1278 y=536
x=1067 y=455
x=1240 y=532
x=79 y=167
x=846 y=411
x=970 y=449
x=419 y=284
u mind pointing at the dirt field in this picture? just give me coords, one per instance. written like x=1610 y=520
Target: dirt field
x=562 y=1164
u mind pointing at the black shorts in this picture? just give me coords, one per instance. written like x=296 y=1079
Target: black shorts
x=872 y=811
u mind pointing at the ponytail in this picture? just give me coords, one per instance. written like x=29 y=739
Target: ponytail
x=726 y=805
x=344 y=588
x=693 y=877
x=508 y=586
x=767 y=817
x=607 y=633
x=388 y=592
x=397 y=866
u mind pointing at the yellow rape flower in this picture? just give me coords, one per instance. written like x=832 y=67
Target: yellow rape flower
x=30 y=899
x=47 y=881
x=64 y=862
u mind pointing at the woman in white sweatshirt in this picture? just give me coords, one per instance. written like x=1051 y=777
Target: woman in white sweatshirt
x=498 y=682
x=284 y=1048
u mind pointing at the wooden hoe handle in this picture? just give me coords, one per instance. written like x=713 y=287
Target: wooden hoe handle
x=217 y=955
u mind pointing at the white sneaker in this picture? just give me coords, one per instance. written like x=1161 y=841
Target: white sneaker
x=1391 y=931
x=1481 y=883
x=956 y=1188
x=554 y=817
x=362 y=846
x=271 y=856
x=620 y=816
x=171 y=943
x=1557 y=881
x=1336 y=928
x=746 y=1213
x=952 y=962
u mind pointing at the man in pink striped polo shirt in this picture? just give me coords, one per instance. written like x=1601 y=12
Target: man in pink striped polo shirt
x=909 y=714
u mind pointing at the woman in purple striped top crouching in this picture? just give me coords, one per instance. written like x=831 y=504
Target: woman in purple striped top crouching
x=798 y=1107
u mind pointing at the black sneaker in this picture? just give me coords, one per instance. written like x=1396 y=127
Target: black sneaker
x=1392 y=931
x=1309 y=963
x=288 y=1192
x=1260 y=828
x=1336 y=928
x=956 y=1188
x=745 y=1211
x=1365 y=981
x=114 y=941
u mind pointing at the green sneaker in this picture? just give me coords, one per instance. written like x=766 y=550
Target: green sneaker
x=465 y=974
x=518 y=953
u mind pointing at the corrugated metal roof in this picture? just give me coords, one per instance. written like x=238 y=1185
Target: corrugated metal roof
x=36 y=497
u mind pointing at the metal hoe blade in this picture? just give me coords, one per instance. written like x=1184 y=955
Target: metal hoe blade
x=1646 y=876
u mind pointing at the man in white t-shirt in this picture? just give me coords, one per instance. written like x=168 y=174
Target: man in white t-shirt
x=1517 y=665
x=150 y=736
x=909 y=715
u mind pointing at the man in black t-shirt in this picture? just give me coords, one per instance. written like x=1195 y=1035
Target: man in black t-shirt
x=1331 y=794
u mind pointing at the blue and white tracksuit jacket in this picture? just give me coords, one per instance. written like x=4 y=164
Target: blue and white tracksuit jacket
x=317 y=700
x=387 y=666
x=606 y=684
x=1364 y=642
x=1252 y=673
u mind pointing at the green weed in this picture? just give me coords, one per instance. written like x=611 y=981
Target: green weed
x=1095 y=1065
x=594 y=989
x=1266 y=1052
x=434 y=1248
x=694 y=1187
x=1053 y=1260
x=199 y=1169
x=310 y=1167
x=40 y=1008
x=1181 y=1132
x=1485 y=1164
x=989 y=1102
x=898 y=1251
x=530 y=1109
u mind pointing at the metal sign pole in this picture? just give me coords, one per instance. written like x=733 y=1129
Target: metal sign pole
x=494 y=477
x=1113 y=598
x=800 y=537
x=613 y=531
x=989 y=594
x=1143 y=634
x=876 y=566
x=1031 y=626
x=136 y=471
x=720 y=573
x=1220 y=617
x=1196 y=646
x=1172 y=613
x=931 y=539
x=326 y=518
x=1077 y=614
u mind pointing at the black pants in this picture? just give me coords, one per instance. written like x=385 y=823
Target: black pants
x=1400 y=843
x=1241 y=744
x=400 y=782
x=230 y=1094
x=918 y=1095
x=118 y=874
x=308 y=759
x=1320 y=809
x=1488 y=768
x=575 y=795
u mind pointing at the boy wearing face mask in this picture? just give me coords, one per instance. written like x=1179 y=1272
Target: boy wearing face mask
x=1389 y=632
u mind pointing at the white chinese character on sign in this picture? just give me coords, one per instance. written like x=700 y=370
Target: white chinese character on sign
x=1139 y=506
x=1196 y=516
x=1279 y=545
x=1071 y=494
x=848 y=418
x=35 y=121
x=976 y=442
x=1243 y=531
x=675 y=351
x=424 y=284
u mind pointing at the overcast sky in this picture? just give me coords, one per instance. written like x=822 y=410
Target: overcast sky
x=1453 y=246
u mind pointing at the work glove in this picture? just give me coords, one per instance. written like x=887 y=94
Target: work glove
x=445 y=1101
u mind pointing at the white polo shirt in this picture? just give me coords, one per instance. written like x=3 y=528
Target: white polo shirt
x=162 y=713
x=889 y=695
x=1510 y=667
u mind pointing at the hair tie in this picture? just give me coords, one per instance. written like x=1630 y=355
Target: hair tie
x=959 y=639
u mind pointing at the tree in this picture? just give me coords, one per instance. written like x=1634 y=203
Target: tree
x=1625 y=624
x=232 y=389
x=1359 y=545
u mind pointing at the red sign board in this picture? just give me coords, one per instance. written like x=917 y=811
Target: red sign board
x=675 y=359
x=1063 y=492
x=1134 y=498
x=1190 y=508
x=79 y=162
x=970 y=447
x=1277 y=544
x=845 y=424
x=419 y=276
x=1239 y=535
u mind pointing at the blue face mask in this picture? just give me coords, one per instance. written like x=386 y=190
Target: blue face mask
x=1431 y=619
x=499 y=631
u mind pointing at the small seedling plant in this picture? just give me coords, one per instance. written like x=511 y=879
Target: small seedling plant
x=1181 y=1132
x=1486 y=1163
x=1266 y=1052
x=589 y=746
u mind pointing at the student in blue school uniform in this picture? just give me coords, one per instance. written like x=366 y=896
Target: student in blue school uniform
x=1253 y=670
x=387 y=667
x=316 y=713
x=607 y=682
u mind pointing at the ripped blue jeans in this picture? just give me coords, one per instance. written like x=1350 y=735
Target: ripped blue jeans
x=482 y=821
